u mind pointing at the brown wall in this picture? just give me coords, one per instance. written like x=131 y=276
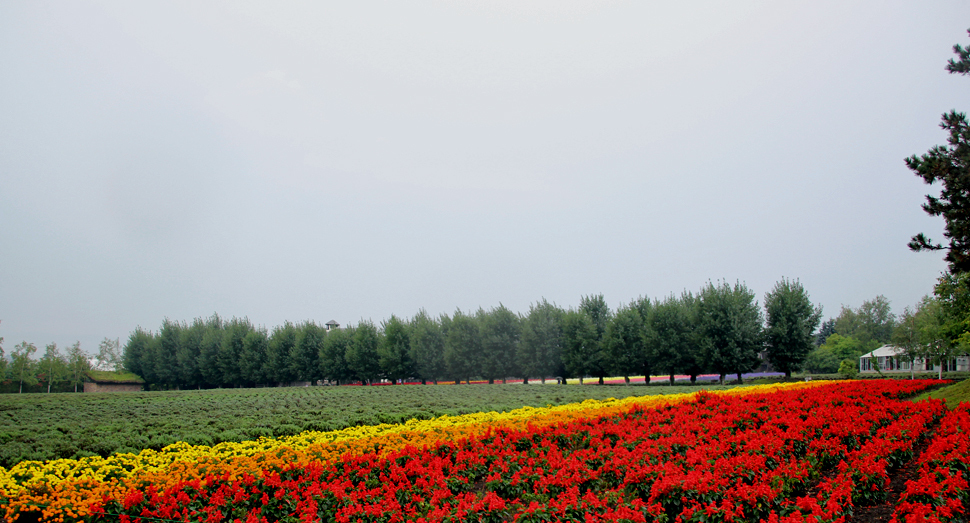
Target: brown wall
x=112 y=387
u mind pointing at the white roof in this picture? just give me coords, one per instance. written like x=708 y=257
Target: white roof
x=885 y=350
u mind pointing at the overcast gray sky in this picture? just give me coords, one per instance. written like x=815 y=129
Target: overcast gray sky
x=315 y=161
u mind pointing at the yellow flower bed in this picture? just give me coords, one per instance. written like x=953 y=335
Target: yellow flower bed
x=69 y=487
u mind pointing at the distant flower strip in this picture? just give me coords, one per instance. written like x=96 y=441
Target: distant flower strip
x=69 y=487
x=941 y=492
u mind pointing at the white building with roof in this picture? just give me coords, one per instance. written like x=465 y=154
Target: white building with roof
x=890 y=358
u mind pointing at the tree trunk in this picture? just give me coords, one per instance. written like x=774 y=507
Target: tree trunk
x=626 y=379
x=671 y=378
x=787 y=374
x=525 y=381
x=580 y=380
x=491 y=381
x=600 y=380
x=693 y=379
x=739 y=379
x=722 y=378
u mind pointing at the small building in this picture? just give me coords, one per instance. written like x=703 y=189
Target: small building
x=330 y=325
x=891 y=359
x=109 y=381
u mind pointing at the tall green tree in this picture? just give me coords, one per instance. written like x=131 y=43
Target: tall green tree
x=427 y=345
x=920 y=334
x=305 y=355
x=210 y=351
x=231 y=350
x=872 y=323
x=23 y=365
x=949 y=165
x=624 y=343
x=670 y=337
x=581 y=355
x=730 y=321
x=791 y=323
x=598 y=311
x=500 y=333
x=282 y=343
x=253 y=369
x=333 y=355
x=826 y=329
x=166 y=354
x=52 y=366
x=362 y=358
x=953 y=297
x=77 y=365
x=394 y=352
x=188 y=352
x=595 y=307
x=540 y=349
x=133 y=355
x=463 y=347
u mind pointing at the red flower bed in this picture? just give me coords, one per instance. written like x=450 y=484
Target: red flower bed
x=941 y=492
x=798 y=455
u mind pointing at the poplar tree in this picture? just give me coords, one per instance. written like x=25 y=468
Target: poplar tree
x=791 y=323
x=394 y=351
x=362 y=358
x=77 y=363
x=500 y=332
x=730 y=322
x=540 y=349
x=427 y=347
x=463 y=347
x=23 y=365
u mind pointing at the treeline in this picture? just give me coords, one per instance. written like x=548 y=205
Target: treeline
x=936 y=330
x=851 y=334
x=54 y=371
x=720 y=330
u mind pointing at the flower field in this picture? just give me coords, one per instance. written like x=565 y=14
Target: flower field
x=785 y=453
x=43 y=427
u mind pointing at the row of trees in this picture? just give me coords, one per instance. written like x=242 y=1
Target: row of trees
x=721 y=329
x=851 y=334
x=55 y=369
x=936 y=330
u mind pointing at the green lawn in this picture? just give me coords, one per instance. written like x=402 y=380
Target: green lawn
x=952 y=394
x=47 y=426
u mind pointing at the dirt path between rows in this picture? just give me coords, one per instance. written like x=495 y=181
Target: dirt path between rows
x=883 y=512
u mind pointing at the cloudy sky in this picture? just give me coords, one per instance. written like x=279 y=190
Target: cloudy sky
x=313 y=161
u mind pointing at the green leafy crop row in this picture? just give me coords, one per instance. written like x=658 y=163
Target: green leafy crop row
x=41 y=426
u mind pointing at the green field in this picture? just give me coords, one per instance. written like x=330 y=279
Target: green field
x=48 y=426
x=953 y=394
